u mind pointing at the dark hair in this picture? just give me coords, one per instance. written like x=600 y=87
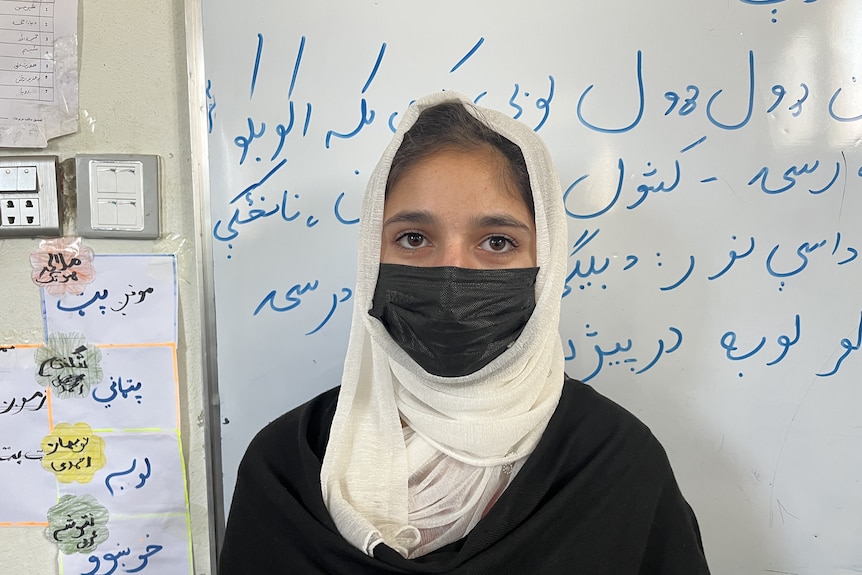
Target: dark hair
x=451 y=126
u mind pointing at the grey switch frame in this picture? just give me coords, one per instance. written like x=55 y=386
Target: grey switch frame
x=150 y=196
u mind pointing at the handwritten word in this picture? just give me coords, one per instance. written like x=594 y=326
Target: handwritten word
x=37 y=399
x=603 y=353
x=231 y=231
x=80 y=309
x=728 y=343
x=116 y=561
x=366 y=116
x=789 y=178
x=293 y=299
x=20 y=455
x=849 y=347
x=142 y=477
x=140 y=294
x=116 y=388
x=122 y=302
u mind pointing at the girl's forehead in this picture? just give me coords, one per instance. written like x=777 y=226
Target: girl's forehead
x=452 y=174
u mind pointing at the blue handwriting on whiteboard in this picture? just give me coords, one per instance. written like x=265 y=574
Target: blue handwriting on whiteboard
x=603 y=353
x=590 y=266
x=346 y=294
x=211 y=106
x=802 y=253
x=685 y=102
x=789 y=178
x=849 y=347
x=366 y=116
x=293 y=298
x=468 y=55
x=733 y=353
x=734 y=255
x=653 y=182
x=256 y=65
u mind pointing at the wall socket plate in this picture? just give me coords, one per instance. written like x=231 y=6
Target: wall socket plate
x=118 y=196
x=29 y=202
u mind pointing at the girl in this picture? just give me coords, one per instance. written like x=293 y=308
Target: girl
x=456 y=443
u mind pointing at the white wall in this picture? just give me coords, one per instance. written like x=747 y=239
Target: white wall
x=133 y=99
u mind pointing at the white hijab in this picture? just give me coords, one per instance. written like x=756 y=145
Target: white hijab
x=419 y=488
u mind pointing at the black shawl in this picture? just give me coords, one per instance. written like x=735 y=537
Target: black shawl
x=597 y=496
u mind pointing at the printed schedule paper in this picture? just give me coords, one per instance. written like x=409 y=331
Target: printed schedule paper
x=38 y=71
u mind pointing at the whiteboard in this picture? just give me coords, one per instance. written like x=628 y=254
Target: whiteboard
x=711 y=157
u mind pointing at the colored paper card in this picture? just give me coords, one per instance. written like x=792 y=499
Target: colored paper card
x=138 y=391
x=23 y=423
x=142 y=474
x=145 y=545
x=132 y=300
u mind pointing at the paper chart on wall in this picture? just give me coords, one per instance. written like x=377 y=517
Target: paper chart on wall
x=132 y=300
x=109 y=481
x=23 y=424
x=38 y=71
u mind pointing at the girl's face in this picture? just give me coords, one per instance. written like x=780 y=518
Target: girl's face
x=457 y=208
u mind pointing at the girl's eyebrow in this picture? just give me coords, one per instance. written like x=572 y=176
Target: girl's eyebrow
x=501 y=220
x=411 y=217
x=425 y=217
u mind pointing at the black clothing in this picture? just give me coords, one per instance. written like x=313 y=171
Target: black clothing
x=597 y=496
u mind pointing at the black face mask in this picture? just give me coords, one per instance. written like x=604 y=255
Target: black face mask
x=454 y=321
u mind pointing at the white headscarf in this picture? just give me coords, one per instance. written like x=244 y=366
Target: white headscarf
x=465 y=434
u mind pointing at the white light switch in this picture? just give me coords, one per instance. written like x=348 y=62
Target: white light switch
x=117 y=200
x=9 y=179
x=26 y=179
x=118 y=196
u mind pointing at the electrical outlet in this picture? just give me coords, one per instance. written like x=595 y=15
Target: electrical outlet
x=10 y=212
x=20 y=212
x=30 y=212
x=29 y=203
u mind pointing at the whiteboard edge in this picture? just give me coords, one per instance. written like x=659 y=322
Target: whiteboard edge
x=203 y=255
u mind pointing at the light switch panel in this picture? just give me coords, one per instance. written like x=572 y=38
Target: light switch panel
x=118 y=196
x=29 y=202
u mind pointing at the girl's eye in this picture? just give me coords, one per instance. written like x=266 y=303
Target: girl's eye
x=410 y=240
x=498 y=244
